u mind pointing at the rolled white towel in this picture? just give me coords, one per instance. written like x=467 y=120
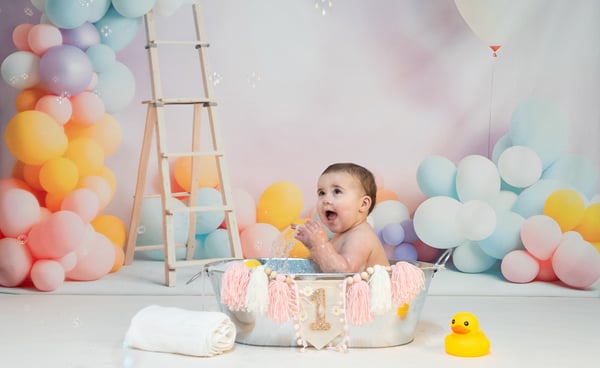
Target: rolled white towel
x=181 y=331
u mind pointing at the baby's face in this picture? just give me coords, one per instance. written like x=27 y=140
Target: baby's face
x=340 y=196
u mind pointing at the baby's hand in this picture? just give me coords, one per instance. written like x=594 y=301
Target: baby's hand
x=311 y=234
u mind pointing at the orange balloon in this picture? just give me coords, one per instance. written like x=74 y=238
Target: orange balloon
x=384 y=194
x=112 y=227
x=566 y=207
x=27 y=98
x=589 y=226
x=87 y=155
x=106 y=132
x=207 y=168
x=279 y=205
x=298 y=250
x=31 y=175
x=119 y=259
x=17 y=171
x=59 y=176
x=54 y=201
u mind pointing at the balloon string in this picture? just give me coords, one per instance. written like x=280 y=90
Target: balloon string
x=489 y=145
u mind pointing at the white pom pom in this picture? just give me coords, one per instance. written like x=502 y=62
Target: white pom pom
x=257 y=294
x=381 y=290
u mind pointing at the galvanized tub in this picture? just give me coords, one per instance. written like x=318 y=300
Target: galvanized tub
x=392 y=328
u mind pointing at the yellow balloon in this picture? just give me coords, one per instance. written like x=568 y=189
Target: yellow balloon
x=298 y=250
x=34 y=137
x=279 y=205
x=207 y=168
x=596 y=245
x=119 y=258
x=589 y=226
x=86 y=154
x=106 y=132
x=566 y=207
x=59 y=176
x=112 y=227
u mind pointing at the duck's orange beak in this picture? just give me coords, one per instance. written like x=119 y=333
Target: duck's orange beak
x=460 y=329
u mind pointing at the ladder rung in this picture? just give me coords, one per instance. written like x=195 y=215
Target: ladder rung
x=200 y=209
x=191 y=154
x=181 y=101
x=155 y=247
x=196 y=43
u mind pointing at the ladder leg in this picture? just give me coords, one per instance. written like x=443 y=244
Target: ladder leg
x=195 y=177
x=138 y=196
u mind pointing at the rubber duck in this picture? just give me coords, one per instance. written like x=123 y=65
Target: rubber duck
x=466 y=339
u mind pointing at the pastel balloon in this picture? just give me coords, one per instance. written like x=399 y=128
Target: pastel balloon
x=589 y=226
x=116 y=30
x=520 y=166
x=245 y=208
x=476 y=219
x=257 y=240
x=477 y=178
x=540 y=125
x=58 y=235
x=436 y=176
x=106 y=132
x=41 y=37
x=279 y=204
x=410 y=236
x=95 y=257
x=435 y=224
x=81 y=37
x=20 y=69
x=27 y=99
x=566 y=207
x=19 y=211
x=519 y=266
x=98 y=9
x=207 y=167
x=15 y=262
x=133 y=9
x=546 y=272
x=469 y=258
x=541 y=235
x=576 y=262
x=116 y=87
x=31 y=176
x=208 y=221
x=119 y=258
x=68 y=261
x=504 y=200
x=393 y=233
x=425 y=252
x=500 y=146
x=86 y=154
x=88 y=108
x=101 y=56
x=531 y=200
x=405 y=252
x=83 y=202
x=47 y=275
x=215 y=245
x=150 y=229
x=388 y=212
x=59 y=175
x=65 y=70
x=33 y=137
x=67 y=13
x=19 y=36
x=576 y=172
x=506 y=237
x=56 y=106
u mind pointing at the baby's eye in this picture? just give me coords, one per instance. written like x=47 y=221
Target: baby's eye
x=320 y=193
x=337 y=191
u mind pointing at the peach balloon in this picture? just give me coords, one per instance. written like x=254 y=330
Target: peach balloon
x=518 y=266
x=576 y=262
x=207 y=166
x=112 y=227
x=59 y=176
x=19 y=211
x=19 y=36
x=57 y=236
x=541 y=235
x=47 y=275
x=56 y=106
x=27 y=99
x=53 y=201
x=546 y=272
x=31 y=176
x=110 y=177
x=41 y=37
x=13 y=183
x=95 y=258
x=119 y=258
x=88 y=108
x=257 y=240
x=83 y=202
x=86 y=154
x=98 y=185
x=384 y=194
x=245 y=208
x=69 y=261
x=15 y=262
x=106 y=132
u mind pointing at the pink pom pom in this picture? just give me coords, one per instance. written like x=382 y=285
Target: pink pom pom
x=358 y=302
x=407 y=282
x=233 y=288
x=281 y=300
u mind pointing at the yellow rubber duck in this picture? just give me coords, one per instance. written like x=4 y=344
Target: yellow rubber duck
x=466 y=339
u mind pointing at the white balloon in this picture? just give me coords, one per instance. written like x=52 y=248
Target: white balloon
x=520 y=166
x=477 y=178
x=469 y=258
x=435 y=222
x=476 y=220
x=386 y=212
x=504 y=200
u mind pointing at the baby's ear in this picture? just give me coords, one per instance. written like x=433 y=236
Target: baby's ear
x=365 y=205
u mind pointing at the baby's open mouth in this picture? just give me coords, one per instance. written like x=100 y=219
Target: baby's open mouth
x=331 y=215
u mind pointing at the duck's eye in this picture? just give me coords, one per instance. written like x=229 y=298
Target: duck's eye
x=453 y=321
x=466 y=323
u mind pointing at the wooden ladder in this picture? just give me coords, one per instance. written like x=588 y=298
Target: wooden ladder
x=156 y=125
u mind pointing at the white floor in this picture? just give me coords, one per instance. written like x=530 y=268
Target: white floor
x=83 y=325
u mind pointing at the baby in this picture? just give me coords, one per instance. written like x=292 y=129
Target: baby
x=346 y=196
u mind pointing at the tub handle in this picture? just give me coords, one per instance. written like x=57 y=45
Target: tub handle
x=441 y=262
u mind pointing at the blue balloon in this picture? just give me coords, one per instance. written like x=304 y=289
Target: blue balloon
x=506 y=236
x=213 y=245
x=98 y=9
x=208 y=221
x=133 y=9
x=501 y=145
x=116 y=87
x=531 y=200
x=575 y=172
x=101 y=56
x=541 y=126
x=469 y=258
x=436 y=176
x=116 y=30
x=67 y=13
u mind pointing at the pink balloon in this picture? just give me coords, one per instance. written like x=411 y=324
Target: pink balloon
x=19 y=210
x=41 y=37
x=576 y=262
x=47 y=275
x=541 y=235
x=83 y=202
x=59 y=235
x=88 y=108
x=245 y=208
x=19 y=36
x=69 y=261
x=95 y=257
x=15 y=262
x=546 y=271
x=257 y=240
x=519 y=266
x=425 y=252
x=56 y=106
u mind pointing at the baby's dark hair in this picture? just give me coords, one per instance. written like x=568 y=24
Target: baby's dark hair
x=365 y=177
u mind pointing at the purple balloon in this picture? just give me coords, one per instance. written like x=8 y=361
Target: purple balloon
x=81 y=37
x=392 y=234
x=410 y=236
x=65 y=70
x=405 y=252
